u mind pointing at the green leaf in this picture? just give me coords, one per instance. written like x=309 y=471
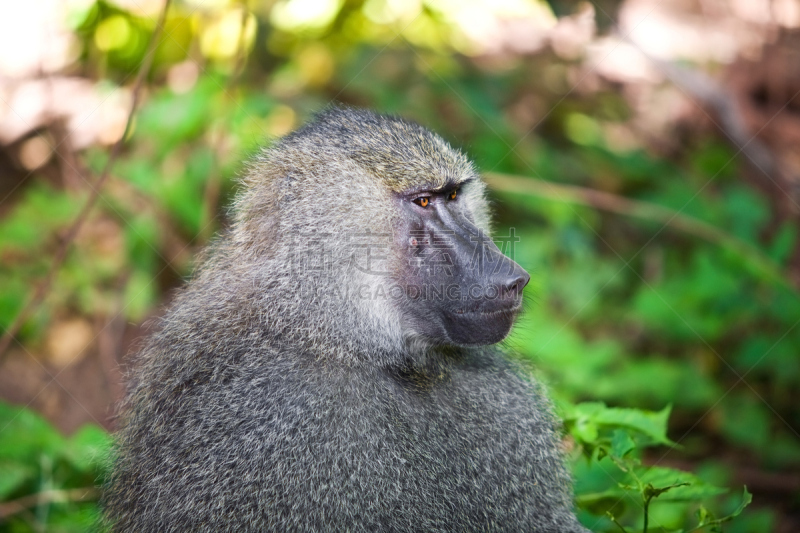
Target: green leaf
x=675 y=485
x=13 y=476
x=88 y=448
x=654 y=492
x=585 y=430
x=174 y=119
x=34 y=217
x=140 y=295
x=784 y=242
x=745 y=422
x=652 y=424
x=747 y=499
x=704 y=516
x=621 y=444
x=25 y=436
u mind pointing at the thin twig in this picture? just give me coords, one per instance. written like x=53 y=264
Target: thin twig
x=711 y=96
x=110 y=342
x=572 y=194
x=613 y=519
x=46 y=497
x=44 y=286
x=214 y=182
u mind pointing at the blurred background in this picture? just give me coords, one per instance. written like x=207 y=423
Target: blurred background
x=646 y=153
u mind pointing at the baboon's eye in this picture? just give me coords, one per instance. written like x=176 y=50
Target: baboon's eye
x=453 y=194
x=422 y=201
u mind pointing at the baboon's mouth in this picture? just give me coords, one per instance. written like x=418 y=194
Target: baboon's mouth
x=510 y=310
x=479 y=326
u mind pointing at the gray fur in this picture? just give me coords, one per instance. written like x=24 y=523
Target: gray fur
x=258 y=406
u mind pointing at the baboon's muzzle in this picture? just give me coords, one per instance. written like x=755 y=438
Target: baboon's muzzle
x=470 y=292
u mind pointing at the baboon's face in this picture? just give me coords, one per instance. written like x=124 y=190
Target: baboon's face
x=461 y=289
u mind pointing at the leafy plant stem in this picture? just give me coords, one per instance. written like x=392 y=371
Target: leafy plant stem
x=613 y=519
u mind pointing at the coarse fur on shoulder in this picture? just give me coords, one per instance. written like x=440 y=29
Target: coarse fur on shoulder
x=284 y=390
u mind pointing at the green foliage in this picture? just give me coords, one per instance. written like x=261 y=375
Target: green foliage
x=616 y=491
x=25 y=233
x=48 y=482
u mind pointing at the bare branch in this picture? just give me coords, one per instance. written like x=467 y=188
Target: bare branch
x=44 y=286
x=47 y=497
x=624 y=206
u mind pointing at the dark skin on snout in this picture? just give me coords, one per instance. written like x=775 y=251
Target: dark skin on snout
x=473 y=291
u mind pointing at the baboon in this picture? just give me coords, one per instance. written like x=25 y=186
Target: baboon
x=330 y=366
